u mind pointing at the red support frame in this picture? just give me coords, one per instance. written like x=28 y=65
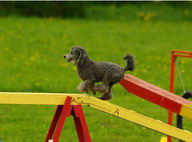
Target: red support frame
x=174 y=55
x=57 y=123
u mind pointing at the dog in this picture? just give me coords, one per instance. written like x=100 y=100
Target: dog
x=91 y=72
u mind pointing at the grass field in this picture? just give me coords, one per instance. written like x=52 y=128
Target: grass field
x=31 y=60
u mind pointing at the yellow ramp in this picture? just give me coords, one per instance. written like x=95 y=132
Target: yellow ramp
x=83 y=99
x=36 y=98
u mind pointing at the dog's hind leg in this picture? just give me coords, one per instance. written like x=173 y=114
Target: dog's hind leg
x=107 y=95
x=103 y=88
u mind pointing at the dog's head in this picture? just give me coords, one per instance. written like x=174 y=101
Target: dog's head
x=77 y=55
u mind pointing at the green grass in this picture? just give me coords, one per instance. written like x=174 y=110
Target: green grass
x=31 y=60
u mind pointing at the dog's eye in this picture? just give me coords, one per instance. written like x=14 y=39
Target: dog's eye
x=71 y=52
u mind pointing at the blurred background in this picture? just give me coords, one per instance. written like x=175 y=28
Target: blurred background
x=34 y=36
x=147 y=11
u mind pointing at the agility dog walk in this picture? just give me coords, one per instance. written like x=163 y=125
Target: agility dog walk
x=76 y=100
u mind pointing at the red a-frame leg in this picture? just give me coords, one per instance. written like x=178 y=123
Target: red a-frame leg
x=61 y=113
x=80 y=123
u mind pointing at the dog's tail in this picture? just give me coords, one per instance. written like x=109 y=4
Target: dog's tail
x=130 y=59
x=186 y=95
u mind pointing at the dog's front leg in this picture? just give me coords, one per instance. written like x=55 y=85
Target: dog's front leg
x=82 y=87
x=87 y=86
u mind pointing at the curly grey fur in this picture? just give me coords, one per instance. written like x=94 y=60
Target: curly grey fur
x=91 y=71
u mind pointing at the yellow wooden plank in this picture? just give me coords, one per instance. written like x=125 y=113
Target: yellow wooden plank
x=136 y=118
x=36 y=98
x=83 y=99
x=186 y=111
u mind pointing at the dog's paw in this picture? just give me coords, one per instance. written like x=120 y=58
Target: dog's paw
x=105 y=97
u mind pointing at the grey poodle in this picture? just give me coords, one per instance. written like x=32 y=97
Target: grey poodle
x=91 y=71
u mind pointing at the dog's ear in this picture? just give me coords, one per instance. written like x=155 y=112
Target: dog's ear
x=82 y=56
